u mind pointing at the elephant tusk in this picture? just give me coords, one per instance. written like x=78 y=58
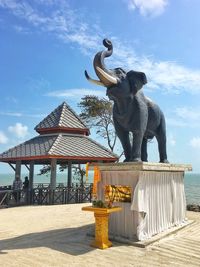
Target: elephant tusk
x=107 y=76
x=92 y=80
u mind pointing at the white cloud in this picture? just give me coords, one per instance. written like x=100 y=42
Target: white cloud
x=186 y=116
x=38 y=85
x=13 y=114
x=77 y=93
x=171 y=139
x=20 y=114
x=11 y=99
x=151 y=8
x=169 y=77
x=67 y=25
x=61 y=21
x=176 y=122
x=21 y=29
x=195 y=142
x=19 y=130
x=188 y=113
x=3 y=138
x=174 y=78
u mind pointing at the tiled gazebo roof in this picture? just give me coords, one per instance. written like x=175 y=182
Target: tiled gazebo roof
x=62 y=136
x=62 y=119
x=64 y=147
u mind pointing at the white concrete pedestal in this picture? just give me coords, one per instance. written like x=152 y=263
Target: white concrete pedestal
x=158 y=198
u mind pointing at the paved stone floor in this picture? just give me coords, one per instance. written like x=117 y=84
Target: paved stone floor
x=56 y=236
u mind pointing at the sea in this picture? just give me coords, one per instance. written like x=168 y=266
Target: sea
x=191 y=181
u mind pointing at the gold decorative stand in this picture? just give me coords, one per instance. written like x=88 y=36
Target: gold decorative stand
x=101 y=225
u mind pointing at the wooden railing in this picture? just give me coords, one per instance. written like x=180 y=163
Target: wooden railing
x=46 y=196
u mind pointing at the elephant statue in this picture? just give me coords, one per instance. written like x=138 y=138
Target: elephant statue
x=132 y=111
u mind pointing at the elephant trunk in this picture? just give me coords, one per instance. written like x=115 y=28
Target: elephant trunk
x=106 y=78
x=104 y=75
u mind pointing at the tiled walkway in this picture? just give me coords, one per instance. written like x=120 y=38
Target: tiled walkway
x=56 y=236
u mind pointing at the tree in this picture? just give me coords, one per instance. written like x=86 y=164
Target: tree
x=79 y=173
x=77 y=170
x=97 y=112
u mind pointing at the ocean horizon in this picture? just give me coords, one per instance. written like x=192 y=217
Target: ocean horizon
x=191 y=182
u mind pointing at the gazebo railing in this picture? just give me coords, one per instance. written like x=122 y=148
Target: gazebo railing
x=47 y=196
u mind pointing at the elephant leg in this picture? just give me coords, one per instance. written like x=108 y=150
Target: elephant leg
x=161 y=138
x=124 y=139
x=136 y=147
x=144 y=154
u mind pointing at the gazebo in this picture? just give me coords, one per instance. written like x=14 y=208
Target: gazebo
x=63 y=139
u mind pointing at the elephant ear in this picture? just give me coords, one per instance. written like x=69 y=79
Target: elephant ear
x=137 y=80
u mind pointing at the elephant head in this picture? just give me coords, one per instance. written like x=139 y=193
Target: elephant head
x=118 y=81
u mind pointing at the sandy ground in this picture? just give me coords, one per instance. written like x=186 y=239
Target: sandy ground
x=56 y=236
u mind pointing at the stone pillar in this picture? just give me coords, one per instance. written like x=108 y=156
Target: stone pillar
x=18 y=169
x=31 y=174
x=53 y=173
x=69 y=181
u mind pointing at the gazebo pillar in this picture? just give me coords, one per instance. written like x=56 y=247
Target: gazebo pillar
x=31 y=174
x=18 y=169
x=53 y=173
x=69 y=176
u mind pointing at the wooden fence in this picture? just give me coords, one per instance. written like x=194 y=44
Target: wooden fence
x=46 y=196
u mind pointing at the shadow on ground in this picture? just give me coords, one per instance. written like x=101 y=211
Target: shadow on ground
x=72 y=241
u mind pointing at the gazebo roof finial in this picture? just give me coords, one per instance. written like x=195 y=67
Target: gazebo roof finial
x=62 y=119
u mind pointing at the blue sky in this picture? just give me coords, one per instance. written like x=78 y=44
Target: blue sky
x=46 y=45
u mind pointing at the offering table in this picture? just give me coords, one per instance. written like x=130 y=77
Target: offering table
x=101 y=225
